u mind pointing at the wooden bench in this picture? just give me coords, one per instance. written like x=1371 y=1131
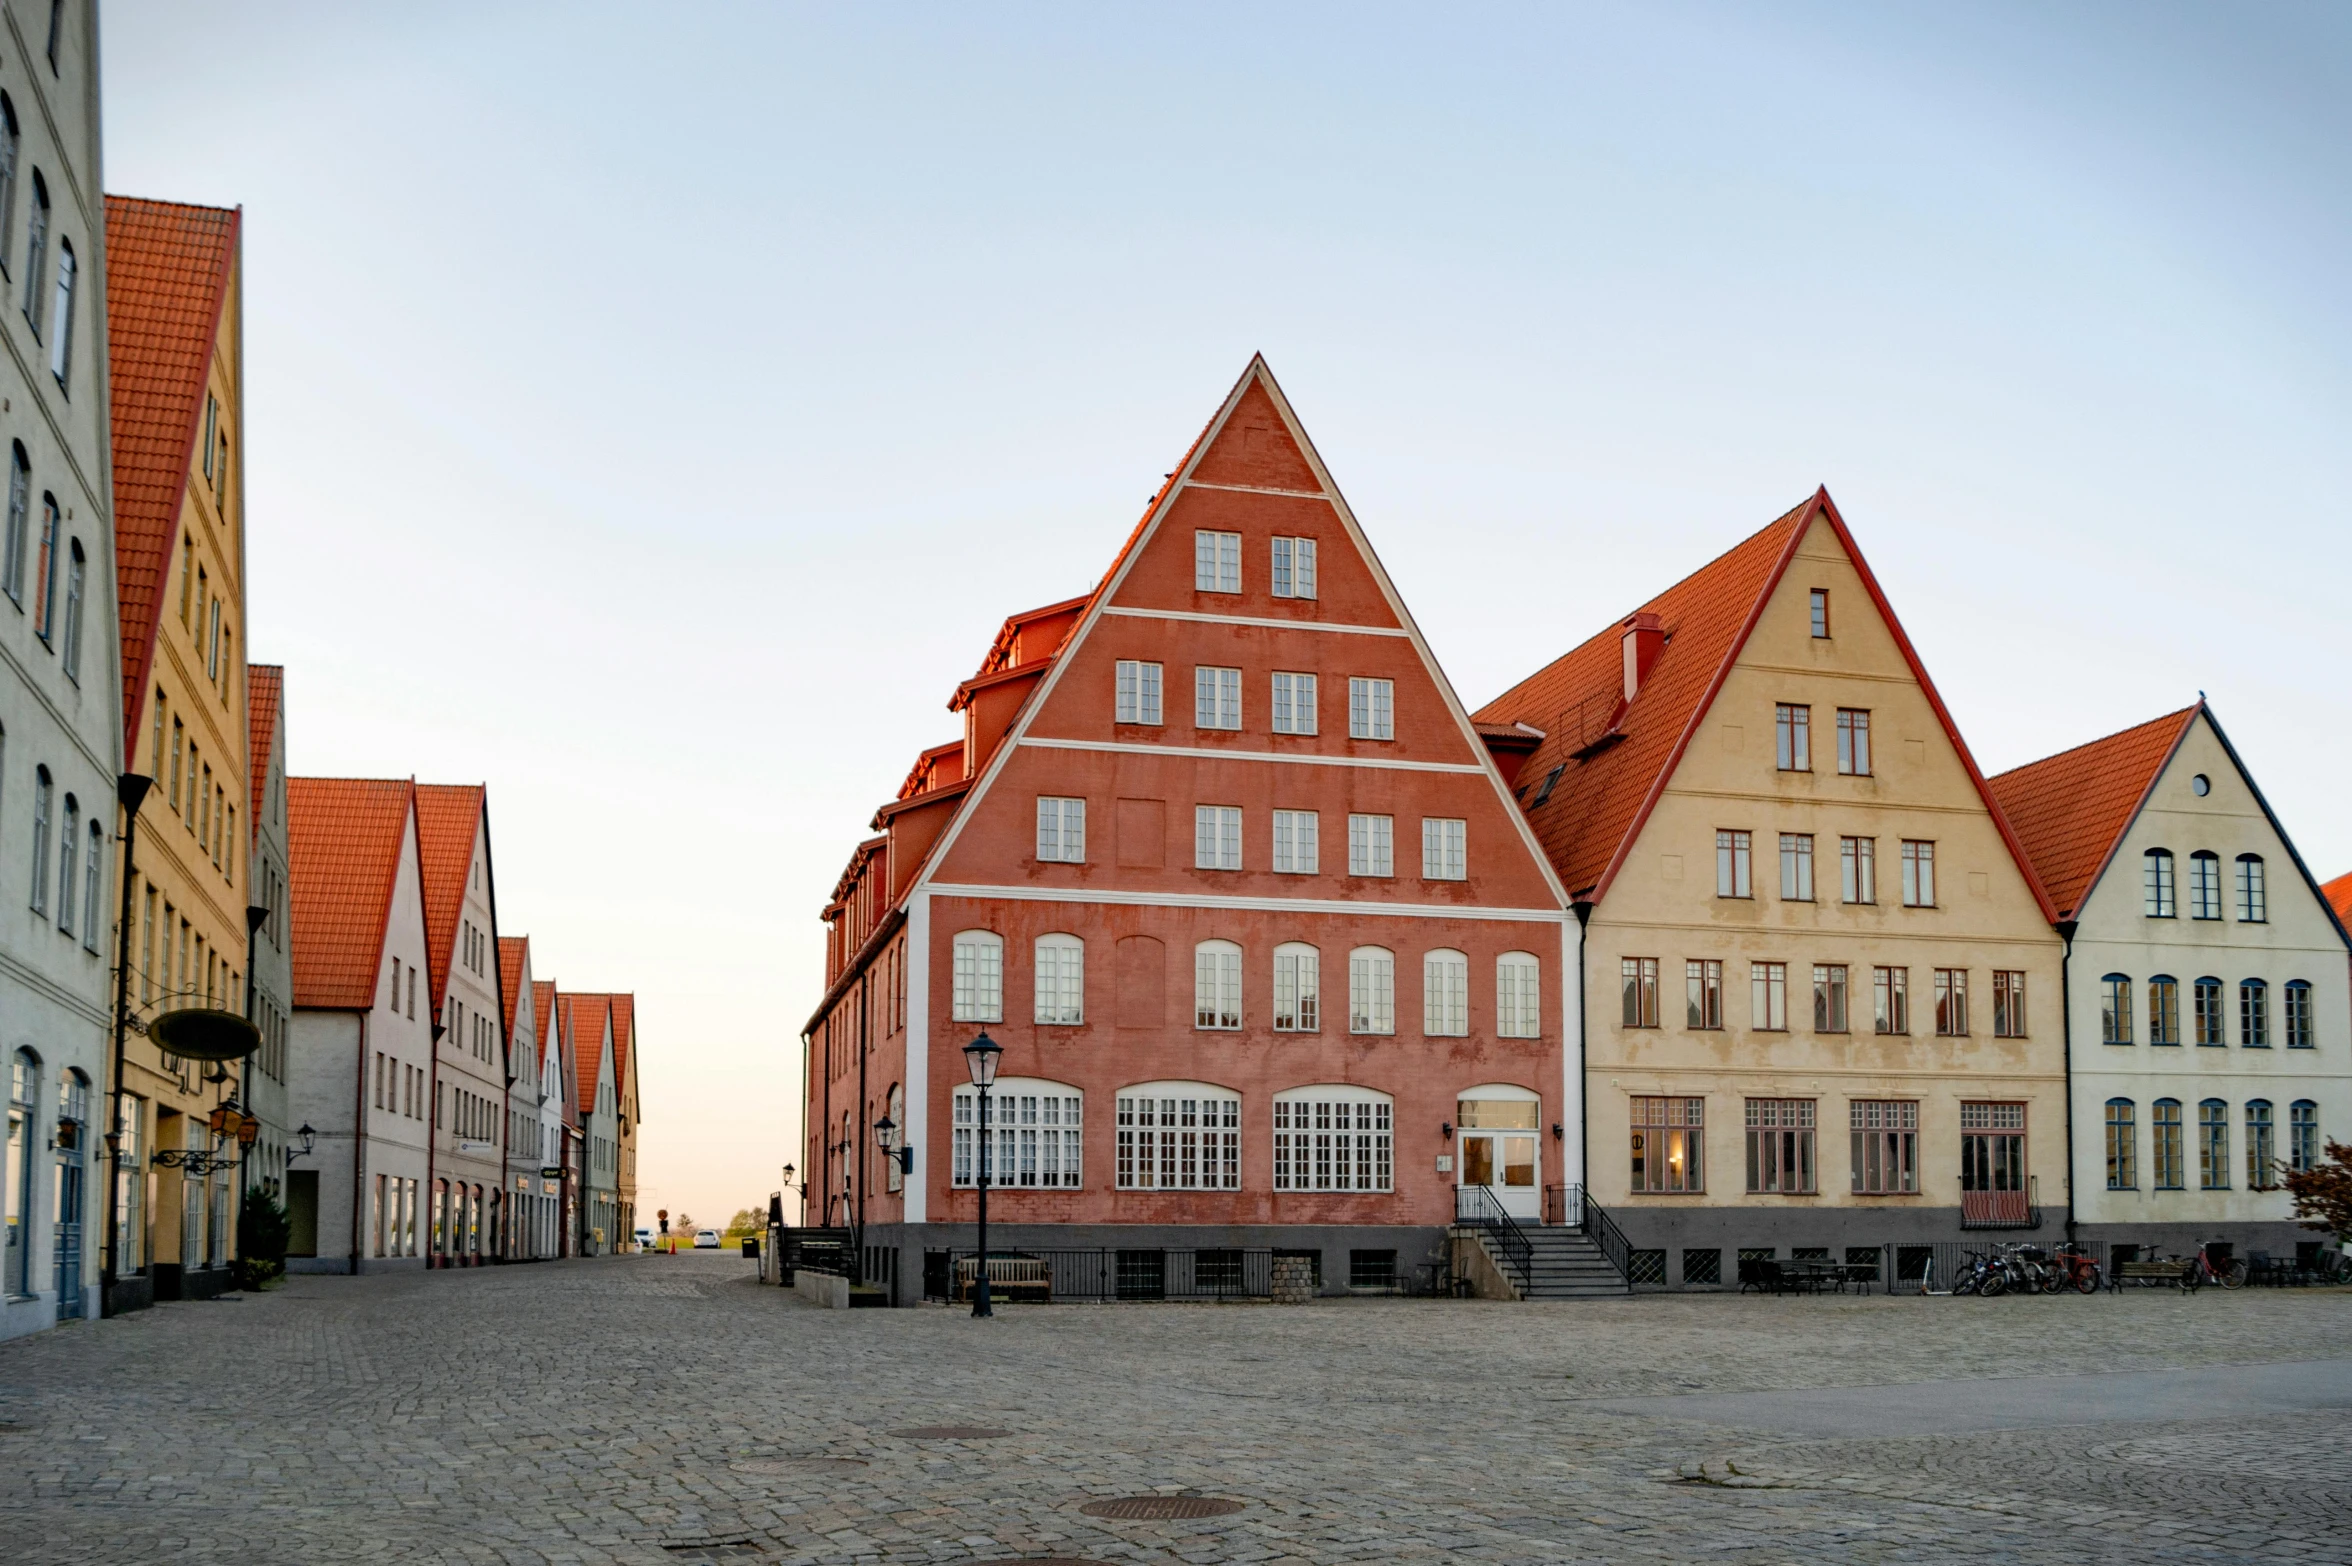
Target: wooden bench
x=1009 y=1278
x=2182 y=1274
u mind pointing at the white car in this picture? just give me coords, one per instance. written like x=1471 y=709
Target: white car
x=706 y=1239
x=645 y=1239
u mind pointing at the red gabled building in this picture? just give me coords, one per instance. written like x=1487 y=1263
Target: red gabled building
x=1224 y=866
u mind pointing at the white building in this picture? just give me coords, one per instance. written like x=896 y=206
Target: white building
x=468 y=1200
x=360 y=1057
x=534 y=1111
x=61 y=735
x=270 y=962
x=588 y=1021
x=2210 y=1016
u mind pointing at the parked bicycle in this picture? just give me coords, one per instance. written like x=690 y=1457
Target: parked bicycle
x=2226 y=1269
x=2072 y=1267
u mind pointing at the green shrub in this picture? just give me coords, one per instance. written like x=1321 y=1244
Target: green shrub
x=263 y=1231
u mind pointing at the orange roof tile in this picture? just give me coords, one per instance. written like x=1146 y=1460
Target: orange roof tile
x=344 y=837
x=584 y=1019
x=1614 y=758
x=167 y=283
x=2339 y=895
x=513 y=956
x=449 y=818
x=265 y=690
x=2072 y=809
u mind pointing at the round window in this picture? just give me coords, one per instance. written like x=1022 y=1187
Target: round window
x=2202 y=784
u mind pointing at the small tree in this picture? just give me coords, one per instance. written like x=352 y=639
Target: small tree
x=2323 y=1193
x=682 y=1224
x=263 y=1232
x=746 y=1221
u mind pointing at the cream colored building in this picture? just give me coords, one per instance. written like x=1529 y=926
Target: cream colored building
x=1821 y=990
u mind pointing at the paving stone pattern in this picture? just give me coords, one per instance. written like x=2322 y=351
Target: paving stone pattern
x=616 y=1410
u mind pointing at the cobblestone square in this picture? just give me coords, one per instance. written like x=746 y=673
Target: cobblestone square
x=668 y=1409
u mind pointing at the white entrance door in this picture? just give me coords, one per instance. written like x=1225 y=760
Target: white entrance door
x=1501 y=1148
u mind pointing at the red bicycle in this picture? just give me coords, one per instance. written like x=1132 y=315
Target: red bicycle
x=2069 y=1267
x=2227 y=1270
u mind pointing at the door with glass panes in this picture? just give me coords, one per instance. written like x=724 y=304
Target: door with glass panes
x=1500 y=1149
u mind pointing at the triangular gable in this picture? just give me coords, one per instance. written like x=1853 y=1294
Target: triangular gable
x=624 y=1015
x=449 y=835
x=589 y=1015
x=514 y=957
x=2072 y=810
x=1254 y=443
x=265 y=694
x=552 y=1055
x=345 y=837
x=2343 y=932
x=1602 y=799
x=168 y=272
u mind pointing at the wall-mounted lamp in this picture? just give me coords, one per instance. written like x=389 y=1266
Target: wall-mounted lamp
x=1559 y=1132
x=1445 y=1128
x=886 y=1135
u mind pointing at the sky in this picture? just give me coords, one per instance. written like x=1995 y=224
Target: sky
x=652 y=411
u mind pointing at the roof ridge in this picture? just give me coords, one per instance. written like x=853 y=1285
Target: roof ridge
x=2061 y=755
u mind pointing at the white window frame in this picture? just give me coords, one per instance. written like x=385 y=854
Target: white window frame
x=1298 y=848
x=1372 y=845
x=1178 y=1136
x=1216 y=697
x=1372 y=990
x=1768 y=997
x=1858 y=870
x=1445 y=848
x=977 y=991
x=1137 y=698
x=1334 y=1137
x=1060 y=975
x=1061 y=830
x=1796 y=867
x=1294 y=703
x=1216 y=987
x=1298 y=988
x=1919 y=888
x=1216 y=561
x=1293 y=560
x=1216 y=837
x=1519 y=996
x=1445 y=994
x=1037 y=1130
x=1371 y=708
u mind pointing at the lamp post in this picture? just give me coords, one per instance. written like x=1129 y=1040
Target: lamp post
x=981 y=1055
x=129 y=790
x=789 y=1171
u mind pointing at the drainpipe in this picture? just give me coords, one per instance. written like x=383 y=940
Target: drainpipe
x=1584 y=913
x=433 y=1257
x=2066 y=929
x=255 y=914
x=857 y=1259
x=131 y=788
x=359 y=1133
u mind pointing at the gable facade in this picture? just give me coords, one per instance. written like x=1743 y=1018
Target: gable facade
x=599 y=1232
x=267 y=1071
x=469 y=1089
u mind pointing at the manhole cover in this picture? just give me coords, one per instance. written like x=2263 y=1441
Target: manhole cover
x=799 y=1465
x=950 y=1433
x=1160 y=1508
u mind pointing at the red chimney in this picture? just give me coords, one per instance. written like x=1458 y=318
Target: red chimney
x=1644 y=638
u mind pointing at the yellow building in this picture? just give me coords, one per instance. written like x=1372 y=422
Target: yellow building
x=1822 y=995
x=173 y=306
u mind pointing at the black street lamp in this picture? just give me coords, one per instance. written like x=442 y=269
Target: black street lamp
x=892 y=1141
x=981 y=1055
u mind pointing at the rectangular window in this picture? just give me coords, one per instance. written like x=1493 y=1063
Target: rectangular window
x=1829 y=997
x=1181 y=1142
x=2122 y=1146
x=1703 y=987
x=1731 y=865
x=1371 y=845
x=1371 y=991
x=1886 y=1146
x=2213 y=1145
x=2115 y=1009
x=1858 y=869
x=1216 y=562
x=1796 y=867
x=1669 y=1144
x=2298 y=1017
x=2254 y=1014
x=1820 y=613
x=1792 y=737
x=1034 y=1140
x=1951 y=1002
x=1639 y=976
x=979 y=978
x=1890 y=994
x=2253 y=901
x=1216 y=698
x=1298 y=982
x=2008 y=1004
x=1294 y=568
x=1216 y=837
x=1918 y=874
x=1216 y=986
x=1768 y=996
x=1321 y=1145
x=2164 y=1145
x=1294 y=704
x=1853 y=741
x=1780 y=1146
x=1061 y=830
x=2163 y=1010
x=1371 y=709
x=1297 y=842
x=1139 y=691
x=1444 y=855
x=2204 y=886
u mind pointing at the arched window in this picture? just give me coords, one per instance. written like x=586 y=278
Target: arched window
x=2253 y=1014
x=2213 y=1145
x=24 y=1097
x=1061 y=981
x=36 y=250
x=93 y=909
x=2163 y=1009
x=1216 y=985
x=20 y=505
x=40 y=840
x=2210 y=1032
x=1179 y=1136
x=68 y=840
x=10 y=144
x=978 y=963
x=2122 y=1146
x=1333 y=1137
x=2253 y=898
x=2298 y=1014
x=2115 y=1009
x=2164 y=1144
x=1518 y=996
x=2302 y=1135
x=73 y=611
x=1445 y=994
x=45 y=573
x=2261 y=1155
x=1371 y=990
x=1298 y=988
x=2157 y=883
x=2204 y=885
x=894 y=1171
x=61 y=318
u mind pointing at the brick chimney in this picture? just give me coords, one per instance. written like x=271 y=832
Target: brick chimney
x=1645 y=637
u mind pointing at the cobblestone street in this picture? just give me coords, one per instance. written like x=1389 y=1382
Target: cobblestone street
x=617 y=1411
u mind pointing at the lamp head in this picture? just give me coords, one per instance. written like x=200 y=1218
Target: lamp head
x=789 y=1171
x=886 y=1134
x=982 y=1055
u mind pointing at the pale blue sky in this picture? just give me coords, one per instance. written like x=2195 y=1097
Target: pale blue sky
x=653 y=410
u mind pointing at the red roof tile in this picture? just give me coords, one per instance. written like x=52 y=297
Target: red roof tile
x=167 y=282
x=265 y=691
x=2072 y=809
x=343 y=841
x=449 y=819
x=514 y=953
x=2339 y=895
x=584 y=1020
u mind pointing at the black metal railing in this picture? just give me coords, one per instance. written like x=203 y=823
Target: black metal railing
x=813 y=1250
x=2002 y=1218
x=1594 y=1219
x=1050 y=1276
x=1479 y=1208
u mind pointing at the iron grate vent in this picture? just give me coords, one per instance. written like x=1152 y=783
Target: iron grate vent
x=1160 y=1508
x=950 y=1433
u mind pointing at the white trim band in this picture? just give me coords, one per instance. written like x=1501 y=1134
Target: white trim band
x=1196 y=754
x=1324 y=905
x=1244 y=619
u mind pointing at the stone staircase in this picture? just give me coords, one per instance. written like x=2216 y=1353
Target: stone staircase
x=1563 y=1264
